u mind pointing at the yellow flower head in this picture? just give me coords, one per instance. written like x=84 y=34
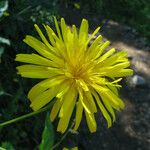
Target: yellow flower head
x=75 y=148
x=76 y=74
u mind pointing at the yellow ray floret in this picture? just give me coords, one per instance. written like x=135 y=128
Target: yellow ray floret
x=74 y=148
x=76 y=73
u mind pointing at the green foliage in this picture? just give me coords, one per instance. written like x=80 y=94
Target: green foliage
x=48 y=135
x=1 y=51
x=3 y=41
x=6 y=146
x=3 y=7
x=135 y=13
x=14 y=27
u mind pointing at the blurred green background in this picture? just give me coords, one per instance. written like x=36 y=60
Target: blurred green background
x=17 y=18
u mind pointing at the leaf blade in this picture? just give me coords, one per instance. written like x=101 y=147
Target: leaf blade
x=47 y=135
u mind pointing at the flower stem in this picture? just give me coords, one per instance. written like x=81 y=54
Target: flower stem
x=26 y=115
x=63 y=137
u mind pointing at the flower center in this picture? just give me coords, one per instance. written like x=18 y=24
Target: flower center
x=78 y=71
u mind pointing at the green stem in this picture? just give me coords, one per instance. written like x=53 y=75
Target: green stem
x=26 y=116
x=63 y=137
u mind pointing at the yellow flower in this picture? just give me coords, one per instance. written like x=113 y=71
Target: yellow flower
x=75 y=148
x=76 y=74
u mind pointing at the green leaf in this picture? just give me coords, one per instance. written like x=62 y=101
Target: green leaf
x=6 y=146
x=3 y=7
x=4 y=41
x=2 y=92
x=48 y=135
x=1 y=51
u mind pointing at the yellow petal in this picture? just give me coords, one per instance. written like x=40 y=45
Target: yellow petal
x=42 y=49
x=91 y=122
x=106 y=55
x=108 y=97
x=43 y=86
x=75 y=148
x=92 y=50
x=68 y=99
x=43 y=98
x=34 y=71
x=66 y=110
x=78 y=118
x=116 y=58
x=34 y=59
x=55 y=109
x=95 y=43
x=113 y=98
x=92 y=35
x=75 y=45
x=90 y=99
x=69 y=43
x=43 y=38
x=84 y=102
x=74 y=31
x=113 y=71
x=63 y=89
x=113 y=89
x=57 y=27
x=65 y=148
x=82 y=84
x=102 y=81
x=102 y=108
x=121 y=73
x=119 y=66
x=49 y=32
x=108 y=106
x=83 y=31
x=102 y=48
x=63 y=29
